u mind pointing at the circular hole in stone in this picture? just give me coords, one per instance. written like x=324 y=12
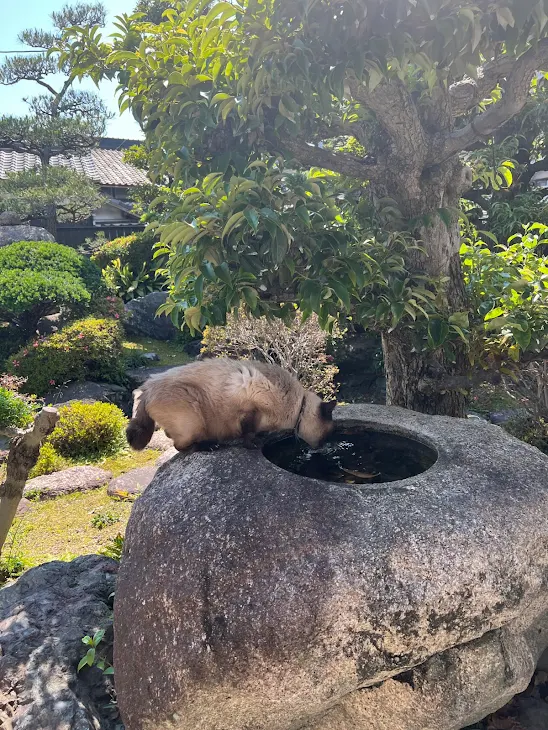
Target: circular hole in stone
x=353 y=455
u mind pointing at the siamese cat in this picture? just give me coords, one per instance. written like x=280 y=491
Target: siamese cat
x=222 y=400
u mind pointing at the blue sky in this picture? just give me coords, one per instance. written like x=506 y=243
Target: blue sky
x=35 y=14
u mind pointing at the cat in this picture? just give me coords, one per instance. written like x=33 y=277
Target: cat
x=222 y=400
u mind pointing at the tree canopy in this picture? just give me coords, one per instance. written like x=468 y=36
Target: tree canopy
x=388 y=96
x=63 y=120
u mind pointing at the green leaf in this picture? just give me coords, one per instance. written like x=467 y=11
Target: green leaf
x=438 y=330
x=342 y=292
x=522 y=337
x=221 y=96
x=397 y=309
x=232 y=222
x=460 y=319
x=251 y=297
x=284 y=111
x=494 y=313
x=252 y=218
x=223 y=273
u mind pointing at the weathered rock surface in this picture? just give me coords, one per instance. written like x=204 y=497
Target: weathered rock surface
x=167 y=456
x=13 y=234
x=143 y=319
x=43 y=617
x=139 y=375
x=9 y=218
x=270 y=601
x=90 y=392
x=75 y=479
x=132 y=482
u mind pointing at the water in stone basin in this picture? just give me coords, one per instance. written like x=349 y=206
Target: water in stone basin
x=353 y=456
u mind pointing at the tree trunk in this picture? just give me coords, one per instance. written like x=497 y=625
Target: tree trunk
x=51 y=220
x=407 y=369
x=23 y=455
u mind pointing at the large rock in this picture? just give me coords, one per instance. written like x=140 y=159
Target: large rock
x=142 y=318
x=13 y=234
x=9 y=218
x=271 y=601
x=90 y=392
x=138 y=375
x=132 y=483
x=74 y=479
x=43 y=617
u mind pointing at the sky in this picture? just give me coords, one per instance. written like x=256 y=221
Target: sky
x=35 y=14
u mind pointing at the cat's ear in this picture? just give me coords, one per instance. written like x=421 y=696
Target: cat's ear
x=327 y=408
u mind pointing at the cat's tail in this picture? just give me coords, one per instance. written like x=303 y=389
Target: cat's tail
x=141 y=427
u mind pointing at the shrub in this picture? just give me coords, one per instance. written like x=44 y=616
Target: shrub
x=114 y=547
x=134 y=250
x=88 y=430
x=88 y=349
x=104 y=519
x=15 y=410
x=299 y=347
x=37 y=278
x=49 y=461
x=130 y=283
x=48 y=257
x=109 y=307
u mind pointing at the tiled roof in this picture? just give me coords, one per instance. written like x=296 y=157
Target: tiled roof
x=105 y=166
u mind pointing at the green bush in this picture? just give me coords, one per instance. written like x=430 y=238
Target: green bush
x=87 y=349
x=15 y=411
x=134 y=250
x=104 y=519
x=89 y=430
x=37 y=278
x=49 y=461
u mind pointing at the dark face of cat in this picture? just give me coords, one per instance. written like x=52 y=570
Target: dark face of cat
x=317 y=420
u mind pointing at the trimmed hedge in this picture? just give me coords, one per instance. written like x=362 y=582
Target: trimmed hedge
x=42 y=256
x=134 y=250
x=38 y=278
x=89 y=349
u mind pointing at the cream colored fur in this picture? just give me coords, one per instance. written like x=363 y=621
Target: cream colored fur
x=221 y=400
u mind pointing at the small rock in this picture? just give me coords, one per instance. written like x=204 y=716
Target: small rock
x=75 y=479
x=166 y=456
x=509 y=414
x=23 y=507
x=193 y=348
x=151 y=357
x=132 y=482
x=160 y=441
x=49 y=325
x=143 y=319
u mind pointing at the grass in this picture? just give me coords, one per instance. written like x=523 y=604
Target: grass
x=62 y=528
x=170 y=353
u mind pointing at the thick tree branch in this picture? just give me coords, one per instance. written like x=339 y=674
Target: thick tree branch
x=23 y=455
x=514 y=97
x=361 y=168
x=468 y=93
x=397 y=113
